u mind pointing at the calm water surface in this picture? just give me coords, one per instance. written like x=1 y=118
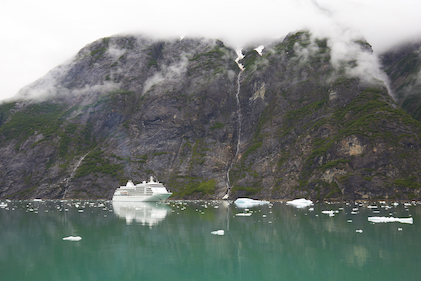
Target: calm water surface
x=174 y=241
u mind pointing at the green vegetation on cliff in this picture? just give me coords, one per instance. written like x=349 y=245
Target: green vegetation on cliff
x=131 y=107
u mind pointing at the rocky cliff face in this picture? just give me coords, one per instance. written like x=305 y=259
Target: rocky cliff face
x=403 y=66
x=292 y=122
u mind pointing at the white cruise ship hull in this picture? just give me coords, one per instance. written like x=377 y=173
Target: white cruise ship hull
x=134 y=198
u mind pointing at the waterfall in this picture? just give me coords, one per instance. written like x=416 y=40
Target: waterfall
x=238 y=113
x=73 y=173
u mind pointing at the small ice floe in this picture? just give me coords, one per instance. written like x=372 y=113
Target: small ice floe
x=218 y=232
x=399 y=228
x=247 y=202
x=372 y=206
x=243 y=214
x=359 y=231
x=72 y=238
x=331 y=213
x=390 y=219
x=311 y=209
x=349 y=221
x=300 y=203
x=3 y=204
x=37 y=200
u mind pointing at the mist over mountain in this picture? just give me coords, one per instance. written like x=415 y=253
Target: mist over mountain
x=306 y=116
x=403 y=66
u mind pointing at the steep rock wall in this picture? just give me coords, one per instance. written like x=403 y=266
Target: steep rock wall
x=291 y=124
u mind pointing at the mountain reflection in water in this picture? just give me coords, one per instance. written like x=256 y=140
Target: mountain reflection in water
x=175 y=240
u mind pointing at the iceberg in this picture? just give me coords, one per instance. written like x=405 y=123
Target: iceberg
x=72 y=238
x=331 y=213
x=300 y=203
x=247 y=202
x=390 y=219
x=218 y=232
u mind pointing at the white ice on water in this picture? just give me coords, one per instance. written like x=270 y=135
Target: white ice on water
x=300 y=203
x=72 y=238
x=243 y=214
x=247 y=202
x=390 y=219
x=331 y=213
x=218 y=232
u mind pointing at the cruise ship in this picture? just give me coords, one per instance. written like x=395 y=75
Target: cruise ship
x=151 y=191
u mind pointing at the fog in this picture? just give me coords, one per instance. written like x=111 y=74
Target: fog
x=39 y=35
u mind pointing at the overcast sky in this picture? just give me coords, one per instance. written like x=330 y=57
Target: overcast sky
x=39 y=35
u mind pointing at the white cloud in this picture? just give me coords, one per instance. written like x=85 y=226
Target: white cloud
x=38 y=35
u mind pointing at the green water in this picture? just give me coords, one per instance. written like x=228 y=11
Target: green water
x=173 y=241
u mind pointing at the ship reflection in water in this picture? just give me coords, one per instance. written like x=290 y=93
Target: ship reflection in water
x=145 y=213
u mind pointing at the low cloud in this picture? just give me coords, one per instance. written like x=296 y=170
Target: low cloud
x=49 y=87
x=168 y=73
x=32 y=45
x=350 y=52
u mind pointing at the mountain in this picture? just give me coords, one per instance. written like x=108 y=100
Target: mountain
x=291 y=121
x=403 y=65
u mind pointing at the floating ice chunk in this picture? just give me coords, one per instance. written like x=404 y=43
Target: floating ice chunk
x=243 y=214
x=331 y=213
x=247 y=202
x=372 y=206
x=3 y=205
x=218 y=232
x=390 y=219
x=311 y=209
x=72 y=238
x=399 y=228
x=349 y=221
x=300 y=203
x=359 y=231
